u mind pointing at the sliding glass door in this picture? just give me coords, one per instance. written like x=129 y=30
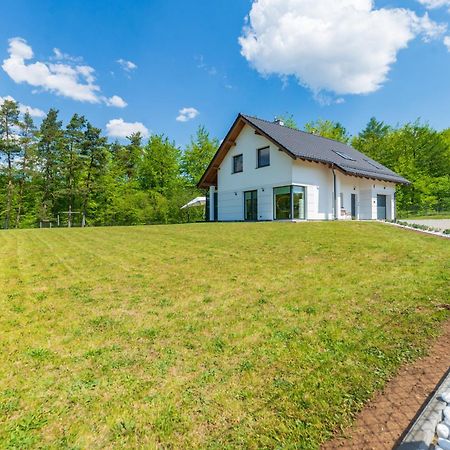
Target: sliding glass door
x=289 y=203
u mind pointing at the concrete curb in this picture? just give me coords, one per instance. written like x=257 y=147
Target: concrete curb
x=422 y=432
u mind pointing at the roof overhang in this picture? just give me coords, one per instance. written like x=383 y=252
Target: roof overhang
x=209 y=178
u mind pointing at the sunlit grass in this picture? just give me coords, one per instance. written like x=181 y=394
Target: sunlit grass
x=441 y=215
x=208 y=335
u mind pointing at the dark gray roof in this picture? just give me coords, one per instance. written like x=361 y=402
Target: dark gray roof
x=316 y=148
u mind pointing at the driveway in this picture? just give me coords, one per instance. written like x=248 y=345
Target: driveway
x=442 y=224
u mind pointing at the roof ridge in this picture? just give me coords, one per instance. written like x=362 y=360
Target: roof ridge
x=300 y=131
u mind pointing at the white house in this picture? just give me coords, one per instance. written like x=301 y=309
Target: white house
x=267 y=171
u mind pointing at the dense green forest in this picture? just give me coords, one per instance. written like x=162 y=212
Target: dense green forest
x=49 y=170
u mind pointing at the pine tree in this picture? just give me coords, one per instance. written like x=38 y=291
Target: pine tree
x=9 y=119
x=49 y=147
x=27 y=141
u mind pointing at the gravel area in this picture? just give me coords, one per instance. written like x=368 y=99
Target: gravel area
x=442 y=224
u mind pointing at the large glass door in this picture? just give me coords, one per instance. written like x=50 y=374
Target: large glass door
x=289 y=203
x=298 y=202
x=282 y=203
x=251 y=205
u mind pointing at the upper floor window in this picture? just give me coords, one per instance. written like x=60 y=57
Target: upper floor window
x=238 y=163
x=263 y=157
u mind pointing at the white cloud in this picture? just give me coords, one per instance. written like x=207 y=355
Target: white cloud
x=121 y=129
x=34 y=112
x=128 y=66
x=75 y=81
x=61 y=56
x=433 y=4
x=116 y=101
x=447 y=42
x=186 y=114
x=345 y=46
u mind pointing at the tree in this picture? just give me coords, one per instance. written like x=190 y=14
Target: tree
x=197 y=155
x=160 y=166
x=328 y=129
x=129 y=156
x=94 y=151
x=27 y=137
x=288 y=121
x=71 y=160
x=50 y=145
x=9 y=119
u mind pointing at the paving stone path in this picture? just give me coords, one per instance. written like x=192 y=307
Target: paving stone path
x=442 y=224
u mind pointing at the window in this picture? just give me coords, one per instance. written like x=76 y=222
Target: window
x=341 y=196
x=238 y=163
x=263 y=157
x=344 y=155
x=289 y=202
x=298 y=202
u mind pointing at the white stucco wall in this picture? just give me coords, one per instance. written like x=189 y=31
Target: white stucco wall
x=366 y=196
x=284 y=171
x=318 y=180
x=231 y=186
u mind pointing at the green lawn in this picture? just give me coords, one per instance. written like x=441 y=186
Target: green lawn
x=208 y=335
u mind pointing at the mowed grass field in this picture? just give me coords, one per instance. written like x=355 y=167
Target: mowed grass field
x=264 y=335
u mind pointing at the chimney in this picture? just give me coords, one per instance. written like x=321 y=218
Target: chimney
x=278 y=121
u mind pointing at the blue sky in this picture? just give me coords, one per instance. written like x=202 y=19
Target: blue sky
x=366 y=60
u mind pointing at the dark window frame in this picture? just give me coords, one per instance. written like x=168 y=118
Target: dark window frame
x=291 y=206
x=254 y=198
x=258 y=150
x=241 y=155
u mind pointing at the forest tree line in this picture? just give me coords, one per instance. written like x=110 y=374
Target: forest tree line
x=51 y=169
x=414 y=150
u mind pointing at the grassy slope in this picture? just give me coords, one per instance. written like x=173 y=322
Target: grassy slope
x=211 y=335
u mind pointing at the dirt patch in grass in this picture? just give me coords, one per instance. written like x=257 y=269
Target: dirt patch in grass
x=381 y=424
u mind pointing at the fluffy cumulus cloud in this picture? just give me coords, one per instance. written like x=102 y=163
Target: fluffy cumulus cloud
x=128 y=66
x=121 y=129
x=116 y=101
x=433 y=4
x=345 y=46
x=34 y=112
x=186 y=114
x=72 y=80
x=447 y=42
